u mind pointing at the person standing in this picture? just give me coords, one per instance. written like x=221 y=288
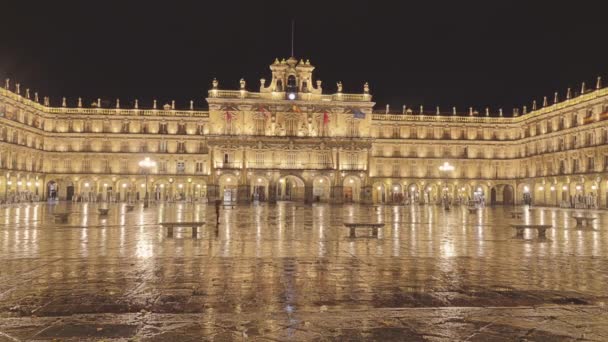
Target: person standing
x=218 y=203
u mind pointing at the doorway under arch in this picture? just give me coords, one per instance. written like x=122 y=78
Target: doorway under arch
x=290 y=188
x=351 y=189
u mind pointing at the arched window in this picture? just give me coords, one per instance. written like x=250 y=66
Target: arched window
x=292 y=86
x=279 y=85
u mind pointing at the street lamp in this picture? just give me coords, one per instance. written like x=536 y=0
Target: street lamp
x=445 y=168
x=147 y=164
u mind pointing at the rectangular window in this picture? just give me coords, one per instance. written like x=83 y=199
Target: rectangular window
x=162 y=146
x=590 y=164
x=162 y=166
x=86 y=165
x=162 y=128
x=125 y=127
x=124 y=166
x=67 y=165
x=199 y=167
x=259 y=159
x=260 y=126
x=181 y=128
x=181 y=167
x=181 y=147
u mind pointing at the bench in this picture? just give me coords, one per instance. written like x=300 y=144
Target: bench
x=516 y=214
x=103 y=211
x=129 y=207
x=171 y=225
x=374 y=226
x=541 y=228
x=587 y=219
x=61 y=217
x=472 y=210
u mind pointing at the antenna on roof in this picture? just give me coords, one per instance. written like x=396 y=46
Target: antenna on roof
x=293 y=29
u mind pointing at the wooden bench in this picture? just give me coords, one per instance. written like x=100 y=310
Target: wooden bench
x=61 y=217
x=587 y=219
x=129 y=207
x=171 y=225
x=472 y=210
x=374 y=226
x=103 y=211
x=516 y=214
x=541 y=228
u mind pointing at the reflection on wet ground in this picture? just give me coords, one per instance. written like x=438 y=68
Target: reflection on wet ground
x=291 y=272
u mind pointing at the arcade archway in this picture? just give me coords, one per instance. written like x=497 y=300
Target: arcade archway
x=290 y=188
x=351 y=189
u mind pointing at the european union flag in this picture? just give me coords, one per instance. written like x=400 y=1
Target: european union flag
x=358 y=114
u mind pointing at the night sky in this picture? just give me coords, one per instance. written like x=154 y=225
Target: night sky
x=448 y=53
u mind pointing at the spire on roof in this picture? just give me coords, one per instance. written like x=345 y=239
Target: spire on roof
x=79 y=102
x=555 y=100
x=598 y=83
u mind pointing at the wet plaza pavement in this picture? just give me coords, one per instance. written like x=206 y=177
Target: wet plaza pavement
x=291 y=272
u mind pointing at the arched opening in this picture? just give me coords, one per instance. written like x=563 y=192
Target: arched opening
x=160 y=190
x=320 y=189
x=292 y=86
x=430 y=195
x=106 y=189
x=351 y=189
x=493 y=196
x=279 y=85
x=259 y=189
x=413 y=195
x=228 y=188
x=479 y=195
x=525 y=191
x=124 y=191
x=396 y=194
x=52 y=190
x=199 y=190
x=290 y=188
x=69 y=191
x=87 y=191
x=378 y=194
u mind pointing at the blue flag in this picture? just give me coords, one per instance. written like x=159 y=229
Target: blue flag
x=358 y=114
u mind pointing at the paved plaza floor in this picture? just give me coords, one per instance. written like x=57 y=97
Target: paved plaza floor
x=290 y=272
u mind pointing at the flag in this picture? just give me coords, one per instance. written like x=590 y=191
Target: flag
x=228 y=116
x=358 y=114
x=296 y=109
x=325 y=118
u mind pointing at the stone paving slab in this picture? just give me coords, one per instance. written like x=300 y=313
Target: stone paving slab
x=277 y=273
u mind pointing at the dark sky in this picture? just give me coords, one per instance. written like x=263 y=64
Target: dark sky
x=462 y=53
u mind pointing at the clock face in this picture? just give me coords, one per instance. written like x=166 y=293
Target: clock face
x=291 y=96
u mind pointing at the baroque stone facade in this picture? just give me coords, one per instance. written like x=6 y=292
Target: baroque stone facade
x=290 y=141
